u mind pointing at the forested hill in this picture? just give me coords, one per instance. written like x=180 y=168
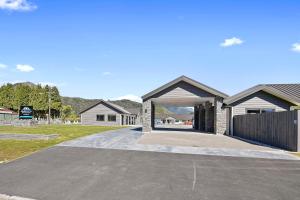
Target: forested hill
x=79 y=104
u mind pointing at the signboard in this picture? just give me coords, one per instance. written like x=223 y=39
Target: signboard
x=26 y=112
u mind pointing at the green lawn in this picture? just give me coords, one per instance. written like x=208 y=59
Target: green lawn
x=297 y=154
x=12 y=149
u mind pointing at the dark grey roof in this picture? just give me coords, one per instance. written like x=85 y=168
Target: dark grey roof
x=292 y=90
x=288 y=92
x=107 y=103
x=189 y=81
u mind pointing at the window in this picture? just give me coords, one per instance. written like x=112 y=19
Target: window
x=253 y=111
x=100 y=118
x=265 y=110
x=259 y=110
x=111 y=118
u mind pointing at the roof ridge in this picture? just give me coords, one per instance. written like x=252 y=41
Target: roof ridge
x=189 y=81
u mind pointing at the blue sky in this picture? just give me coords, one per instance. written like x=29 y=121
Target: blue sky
x=109 y=48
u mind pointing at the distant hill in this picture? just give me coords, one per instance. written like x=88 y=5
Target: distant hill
x=79 y=104
x=180 y=110
x=24 y=83
x=162 y=112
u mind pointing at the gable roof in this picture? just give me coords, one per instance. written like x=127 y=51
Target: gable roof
x=189 y=81
x=287 y=92
x=109 y=104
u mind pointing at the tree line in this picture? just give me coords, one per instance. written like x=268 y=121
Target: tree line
x=13 y=96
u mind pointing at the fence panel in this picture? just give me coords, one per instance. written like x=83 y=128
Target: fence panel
x=279 y=129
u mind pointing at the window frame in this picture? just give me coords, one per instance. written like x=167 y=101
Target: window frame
x=261 y=110
x=110 y=115
x=98 y=120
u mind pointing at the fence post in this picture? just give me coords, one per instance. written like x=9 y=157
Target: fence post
x=298 y=131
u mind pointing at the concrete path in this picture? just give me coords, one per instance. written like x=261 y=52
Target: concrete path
x=72 y=173
x=128 y=139
x=18 y=136
x=200 y=139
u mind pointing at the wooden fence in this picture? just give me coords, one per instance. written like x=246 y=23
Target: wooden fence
x=278 y=129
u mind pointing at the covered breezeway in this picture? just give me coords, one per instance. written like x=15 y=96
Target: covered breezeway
x=209 y=116
x=199 y=118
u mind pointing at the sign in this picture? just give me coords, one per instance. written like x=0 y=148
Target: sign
x=26 y=112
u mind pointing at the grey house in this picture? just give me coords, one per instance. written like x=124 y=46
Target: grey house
x=214 y=110
x=105 y=113
x=262 y=98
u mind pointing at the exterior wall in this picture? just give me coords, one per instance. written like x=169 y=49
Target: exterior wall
x=260 y=100
x=220 y=117
x=298 y=125
x=196 y=118
x=147 y=116
x=89 y=117
x=182 y=89
x=228 y=121
x=201 y=118
x=209 y=117
x=138 y=119
x=128 y=119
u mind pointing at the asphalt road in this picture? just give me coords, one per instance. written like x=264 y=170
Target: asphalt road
x=91 y=174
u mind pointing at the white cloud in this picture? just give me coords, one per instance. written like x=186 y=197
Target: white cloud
x=129 y=97
x=25 y=68
x=106 y=73
x=231 y=41
x=3 y=66
x=296 y=47
x=17 y=5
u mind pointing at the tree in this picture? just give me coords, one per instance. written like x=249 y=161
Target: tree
x=56 y=104
x=13 y=96
x=38 y=98
x=7 y=96
x=21 y=97
x=66 y=112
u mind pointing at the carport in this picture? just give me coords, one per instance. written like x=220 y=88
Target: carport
x=209 y=116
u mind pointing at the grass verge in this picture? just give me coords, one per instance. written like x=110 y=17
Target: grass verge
x=13 y=149
x=296 y=154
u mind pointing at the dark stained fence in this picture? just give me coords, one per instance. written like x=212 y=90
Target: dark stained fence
x=279 y=129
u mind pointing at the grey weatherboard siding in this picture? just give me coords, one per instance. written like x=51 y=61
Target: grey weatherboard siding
x=280 y=97
x=123 y=117
x=89 y=116
x=260 y=99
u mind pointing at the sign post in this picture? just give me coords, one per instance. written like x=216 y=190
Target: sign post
x=26 y=112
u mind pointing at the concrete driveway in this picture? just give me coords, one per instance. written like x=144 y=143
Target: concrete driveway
x=73 y=173
x=177 y=142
